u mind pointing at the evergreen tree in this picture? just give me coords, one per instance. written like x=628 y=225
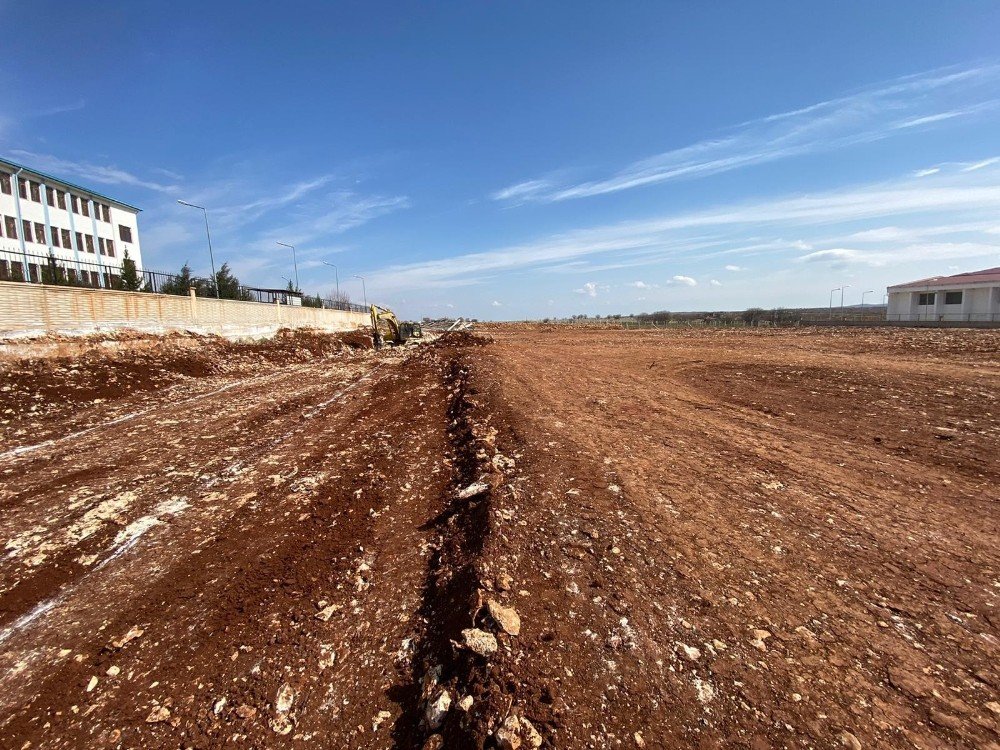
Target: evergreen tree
x=130 y=281
x=228 y=285
x=179 y=284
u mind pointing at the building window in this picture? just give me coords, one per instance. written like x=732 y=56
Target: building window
x=55 y=236
x=36 y=192
x=11 y=223
x=26 y=230
x=90 y=242
x=50 y=197
x=5 y=183
x=106 y=213
x=61 y=199
x=125 y=233
x=22 y=189
x=67 y=241
x=111 y=248
x=85 y=207
x=926 y=299
x=75 y=203
x=100 y=246
x=79 y=242
x=39 y=233
x=953 y=298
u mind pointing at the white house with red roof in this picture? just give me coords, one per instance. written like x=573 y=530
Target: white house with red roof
x=965 y=297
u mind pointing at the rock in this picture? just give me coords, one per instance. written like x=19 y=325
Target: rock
x=437 y=709
x=379 y=719
x=639 y=741
x=285 y=698
x=689 y=652
x=758 y=644
x=327 y=612
x=219 y=705
x=849 y=740
x=476 y=488
x=531 y=736
x=761 y=635
x=434 y=742
x=508 y=736
x=479 y=641
x=505 y=582
x=994 y=707
x=327 y=656
x=466 y=703
x=245 y=711
x=134 y=632
x=506 y=617
x=113 y=671
x=158 y=715
x=281 y=724
x=92 y=684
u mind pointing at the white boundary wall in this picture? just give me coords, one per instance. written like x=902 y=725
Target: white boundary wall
x=28 y=310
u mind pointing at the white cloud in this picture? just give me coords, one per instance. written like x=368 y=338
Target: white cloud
x=863 y=116
x=734 y=269
x=682 y=281
x=496 y=303
x=715 y=282
x=84 y=171
x=926 y=172
x=643 y=285
x=980 y=164
x=589 y=289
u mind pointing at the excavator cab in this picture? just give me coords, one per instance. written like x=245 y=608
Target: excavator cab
x=387 y=328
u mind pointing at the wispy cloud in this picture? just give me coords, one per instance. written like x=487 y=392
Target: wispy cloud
x=863 y=116
x=821 y=222
x=86 y=171
x=682 y=281
x=715 y=282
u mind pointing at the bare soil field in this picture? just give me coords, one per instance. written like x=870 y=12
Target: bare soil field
x=532 y=537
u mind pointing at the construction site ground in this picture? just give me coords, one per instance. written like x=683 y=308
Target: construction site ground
x=527 y=536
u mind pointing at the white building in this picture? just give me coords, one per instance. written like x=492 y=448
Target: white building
x=966 y=297
x=87 y=233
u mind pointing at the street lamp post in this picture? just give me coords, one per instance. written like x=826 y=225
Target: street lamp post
x=364 y=293
x=831 y=301
x=336 y=275
x=208 y=233
x=845 y=286
x=870 y=291
x=295 y=265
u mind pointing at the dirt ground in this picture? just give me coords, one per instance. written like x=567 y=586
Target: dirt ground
x=531 y=537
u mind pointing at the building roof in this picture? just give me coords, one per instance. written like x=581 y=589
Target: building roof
x=51 y=178
x=986 y=276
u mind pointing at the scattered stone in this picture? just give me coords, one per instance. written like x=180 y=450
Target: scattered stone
x=285 y=698
x=849 y=740
x=758 y=644
x=761 y=635
x=434 y=742
x=327 y=656
x=466 y=703
x=479 y=641
x=134 y=632
x=245 y=711
x=508 y=736
x=719 y=645
x=113 y=671
x=689 y=652
x=281 y=724
x=437 y=710
x=92 y=684
x=327 y=612
x=379 y=719
x=505 y=582
x=158 y=715
x=506 y=617
x=219 y=705
x=531 y=735
x=476 y=488
x=639 y=741
x=994 y=707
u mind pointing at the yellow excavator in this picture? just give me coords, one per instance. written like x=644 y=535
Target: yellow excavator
x=388 y=329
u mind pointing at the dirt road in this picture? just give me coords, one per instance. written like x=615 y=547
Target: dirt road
x=710 y=539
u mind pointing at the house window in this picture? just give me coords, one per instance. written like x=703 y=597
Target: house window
x=79 y=241
x=55 y=235
x=11 y=223
x=100 y=246
x=61 y=199
x=953 y=298
x=111 y=248
x=26 y=229
x=74 y=201
x=36 y=192
x=50 y=197
x=39 y=233
x=90 y=243
x=5 y=183
x=22 y=189
x=125 y=233
x=85 y=206
x=926 y=299
x=67 y=241
x=106 y=212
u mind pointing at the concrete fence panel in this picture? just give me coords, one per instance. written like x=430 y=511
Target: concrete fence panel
x=36 y=309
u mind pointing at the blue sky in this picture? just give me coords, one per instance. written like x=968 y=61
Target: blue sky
x=525 y=159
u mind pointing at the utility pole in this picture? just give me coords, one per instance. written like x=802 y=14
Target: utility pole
x=363 y=291
x=336 y=275
x=208 y=233
x=295 y=264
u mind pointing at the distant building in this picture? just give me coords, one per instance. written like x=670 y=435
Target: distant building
x=964 y=297
x=86 y=232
